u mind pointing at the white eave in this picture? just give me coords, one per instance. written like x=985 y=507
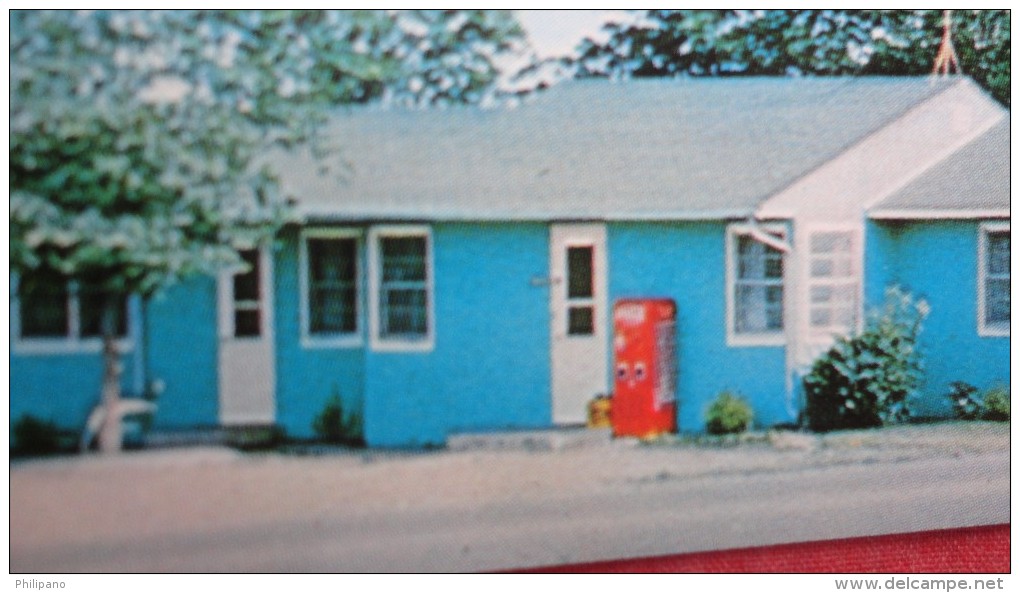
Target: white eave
x=927 y=214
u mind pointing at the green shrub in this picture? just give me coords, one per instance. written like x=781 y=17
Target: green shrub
x=963 y=397
x=33 y=436
x=869 y=379
x=332 y=425
x=728 y=414
x=996 y=404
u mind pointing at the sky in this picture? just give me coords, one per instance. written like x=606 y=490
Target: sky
x=556 y=33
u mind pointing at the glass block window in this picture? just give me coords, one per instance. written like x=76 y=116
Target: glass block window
x=833 y=282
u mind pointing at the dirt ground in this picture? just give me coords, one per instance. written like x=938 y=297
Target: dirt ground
x=63 y=510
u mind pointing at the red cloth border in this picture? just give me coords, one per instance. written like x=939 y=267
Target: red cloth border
x=967 y=550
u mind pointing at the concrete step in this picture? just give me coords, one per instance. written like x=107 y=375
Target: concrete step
x=553 y=439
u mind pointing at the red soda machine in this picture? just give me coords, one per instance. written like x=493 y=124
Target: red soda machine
x=644 y=354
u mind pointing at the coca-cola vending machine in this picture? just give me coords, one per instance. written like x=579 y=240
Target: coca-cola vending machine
x=645 y=366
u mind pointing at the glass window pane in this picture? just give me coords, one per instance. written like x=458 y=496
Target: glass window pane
x=832 y=242
x=997 y=301
x=822 y=267
x=332 y=261
x=773 y=264
x=90 y=313
x=751 y=307
x=403 y=291
x=247 y=323
x=246 y=284
x=757 y=261
x=580 y=321
x=821 y=316
x=403 y=259
x=998 y=253
x=749 y=260
x=404 y=312
x=332 y=310
x=774 y=317
x=821 y=294
x=580 y=272
x=843 y=316
x=43 y=306
x=332 y=279
x=758 y=291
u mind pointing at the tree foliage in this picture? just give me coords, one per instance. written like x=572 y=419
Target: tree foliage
x=801 y=42
x=138 y=138
x=135 y=136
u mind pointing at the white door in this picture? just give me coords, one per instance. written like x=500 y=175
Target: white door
x=247 y=377
x=579 y=319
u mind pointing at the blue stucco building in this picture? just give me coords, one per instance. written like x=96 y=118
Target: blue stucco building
x=458 y=274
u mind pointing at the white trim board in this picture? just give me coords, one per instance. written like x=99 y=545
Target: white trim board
x=922 y=214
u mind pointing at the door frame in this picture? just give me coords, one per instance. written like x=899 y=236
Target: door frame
x=256 y=349
x=570 y=359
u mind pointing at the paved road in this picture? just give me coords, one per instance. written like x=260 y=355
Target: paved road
x=217 y=511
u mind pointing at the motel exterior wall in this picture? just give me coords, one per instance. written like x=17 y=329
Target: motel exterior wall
x=686 y=261
x=937 y=260
x=489 y=365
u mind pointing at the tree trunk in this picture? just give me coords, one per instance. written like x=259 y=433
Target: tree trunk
x=110 y=437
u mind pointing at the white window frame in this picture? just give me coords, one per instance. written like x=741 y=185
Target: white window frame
x=340 y=340
x=984 y=330
x=825 y=335
x=744 y=339
x=376 y=341
x=72 y=342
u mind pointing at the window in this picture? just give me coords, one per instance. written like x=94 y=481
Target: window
x=401 y=299
x=580 y=291
x=993 y=280
x=754 y=288
x=247 y=300
x=330 y=282
x=52 y=312
x=833 y=283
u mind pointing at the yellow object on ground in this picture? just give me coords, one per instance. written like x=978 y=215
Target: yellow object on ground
x=598 y=412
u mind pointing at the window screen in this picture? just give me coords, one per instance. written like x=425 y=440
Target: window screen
x=332 y=286
x=758 y=287
x=403 y=289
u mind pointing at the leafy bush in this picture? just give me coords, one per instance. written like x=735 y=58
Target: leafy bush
x=332 y=425
x=996 y=404
x=728 y=414
x=33 y=436
x=868 y=379
x=963 y=397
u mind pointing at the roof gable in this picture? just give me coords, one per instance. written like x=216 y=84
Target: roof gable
x=973 y=181
x=657 y=149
